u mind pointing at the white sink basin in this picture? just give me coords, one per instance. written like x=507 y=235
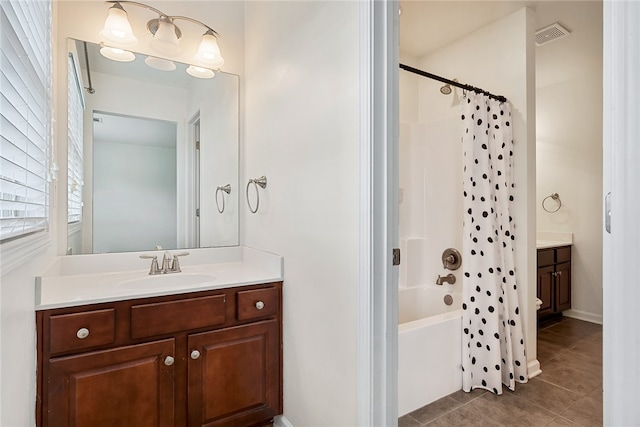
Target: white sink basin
x=164 y=281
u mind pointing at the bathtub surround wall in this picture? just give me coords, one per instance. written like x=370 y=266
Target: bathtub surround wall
x=507 y=67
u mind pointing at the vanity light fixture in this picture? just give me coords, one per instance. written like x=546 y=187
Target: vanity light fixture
x=117 y=32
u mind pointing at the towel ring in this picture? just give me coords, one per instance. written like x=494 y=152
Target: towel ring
x=225 y=189
x=262 y=182
x=555 y=197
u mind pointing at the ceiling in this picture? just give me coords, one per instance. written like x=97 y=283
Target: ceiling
x=426 y=26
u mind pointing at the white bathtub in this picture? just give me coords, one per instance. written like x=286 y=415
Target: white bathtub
x=429 y=346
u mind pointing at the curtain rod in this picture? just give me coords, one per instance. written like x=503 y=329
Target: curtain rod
x=451 y=82
x=89 y=89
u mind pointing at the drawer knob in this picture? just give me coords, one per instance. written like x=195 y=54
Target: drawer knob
x=168 y=360
x=82 y=333
x=259 y=305
x=195 y=354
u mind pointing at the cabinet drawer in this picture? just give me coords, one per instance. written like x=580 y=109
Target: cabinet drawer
x=546 y=257
x=257 y=303
x=81 y=330
x=175 y=316
x=563 y=254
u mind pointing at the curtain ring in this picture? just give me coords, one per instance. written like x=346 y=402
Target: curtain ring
x=225 y=189
x=262 y=182
x=555 y=197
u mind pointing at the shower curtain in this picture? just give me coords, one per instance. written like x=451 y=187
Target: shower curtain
x=493 y=341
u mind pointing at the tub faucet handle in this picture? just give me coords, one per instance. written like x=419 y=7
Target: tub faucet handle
x=449 y=278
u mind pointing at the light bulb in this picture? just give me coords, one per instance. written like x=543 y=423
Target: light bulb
x=117 y=29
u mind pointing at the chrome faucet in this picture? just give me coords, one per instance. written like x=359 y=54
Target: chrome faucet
x=170 y=263
x=449 y=278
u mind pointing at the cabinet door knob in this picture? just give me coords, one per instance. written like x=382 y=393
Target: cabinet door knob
x=168 y=360
x=82 y=333
x=259 y=305
x=195 y=354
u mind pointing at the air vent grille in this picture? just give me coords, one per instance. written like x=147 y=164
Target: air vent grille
x=551 y=33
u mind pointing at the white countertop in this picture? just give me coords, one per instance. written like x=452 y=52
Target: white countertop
x=547 y=239
x=544 y=244
x=72 y=281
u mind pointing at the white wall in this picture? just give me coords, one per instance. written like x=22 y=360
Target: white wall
x=302 y=120
x=134 y=195
x=498 y=58
x=569 y=151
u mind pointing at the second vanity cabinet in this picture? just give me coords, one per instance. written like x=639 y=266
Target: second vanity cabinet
x=211 y=358
x=554 y=281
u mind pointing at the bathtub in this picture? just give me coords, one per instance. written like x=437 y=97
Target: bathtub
x=429 y=346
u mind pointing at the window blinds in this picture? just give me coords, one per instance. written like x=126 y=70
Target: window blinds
x=25 y=114
x=74 y=132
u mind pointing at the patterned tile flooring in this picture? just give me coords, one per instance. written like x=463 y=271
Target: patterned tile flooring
x=568 y=392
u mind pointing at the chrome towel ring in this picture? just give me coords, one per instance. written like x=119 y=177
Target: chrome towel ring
x=225 y=189
x=555 y=197
x=262 y=182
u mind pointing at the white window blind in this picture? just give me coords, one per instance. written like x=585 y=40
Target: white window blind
x=25 y=114
x=75 y=133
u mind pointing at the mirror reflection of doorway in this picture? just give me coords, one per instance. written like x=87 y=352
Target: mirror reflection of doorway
x=196 y=180
x=134 y=183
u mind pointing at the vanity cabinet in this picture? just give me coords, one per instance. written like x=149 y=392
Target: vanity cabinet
x=210 y=358
x=554 y=281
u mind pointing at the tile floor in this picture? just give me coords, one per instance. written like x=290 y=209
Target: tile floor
x=568 y=392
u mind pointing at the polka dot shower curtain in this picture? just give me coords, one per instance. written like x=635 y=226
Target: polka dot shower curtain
x=493 y=350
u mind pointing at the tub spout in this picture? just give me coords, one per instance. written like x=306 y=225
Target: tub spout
x=449 y=278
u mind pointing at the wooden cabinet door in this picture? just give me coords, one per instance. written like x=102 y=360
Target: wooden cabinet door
x=234 y=375
x=545 y=291
x=563 y=286
x=126 y=386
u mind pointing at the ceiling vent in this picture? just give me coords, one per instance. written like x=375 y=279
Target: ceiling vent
x=551 y=33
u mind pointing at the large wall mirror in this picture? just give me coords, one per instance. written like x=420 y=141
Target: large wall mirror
x=153 y=155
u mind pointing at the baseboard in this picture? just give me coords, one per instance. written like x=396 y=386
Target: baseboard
x=281 y=421
x=533 y=368
x=583 y=315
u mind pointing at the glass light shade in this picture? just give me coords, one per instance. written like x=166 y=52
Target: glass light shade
x=208 y=54
x=117 y=29
x=159 y=63
x=165 y=41
x=117 y=54
x=199 y=72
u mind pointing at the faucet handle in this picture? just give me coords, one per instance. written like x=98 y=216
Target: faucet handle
x=176 y=264
x=154 y=263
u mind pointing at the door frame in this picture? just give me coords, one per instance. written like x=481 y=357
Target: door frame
x=621 y=248
x=377 y=357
